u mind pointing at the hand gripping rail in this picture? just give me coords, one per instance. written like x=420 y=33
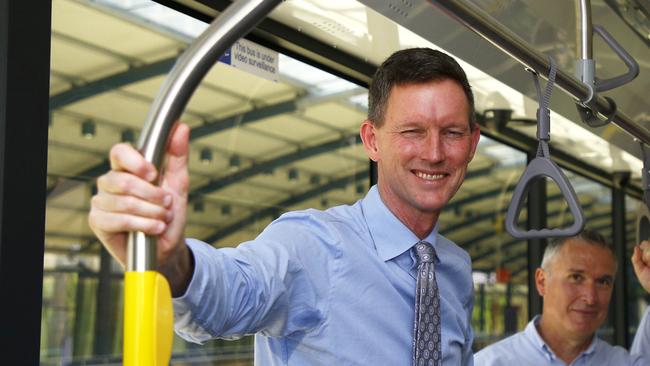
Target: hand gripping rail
x=643 y=215
x=543 y=166
x=147 y=302
x=586 y=66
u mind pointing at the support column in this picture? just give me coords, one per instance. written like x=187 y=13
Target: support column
x=24 y=91
x=104 y=319
x=618 y=305
x=536 y=220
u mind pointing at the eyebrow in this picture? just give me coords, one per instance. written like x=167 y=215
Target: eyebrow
x=582 y=271
x=575 y=270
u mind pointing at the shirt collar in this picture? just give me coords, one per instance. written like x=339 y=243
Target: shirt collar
x=533 y=335
x=390 y=236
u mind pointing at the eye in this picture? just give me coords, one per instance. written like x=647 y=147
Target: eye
x=575 y=277
x=605 y=282
x=412 y=132
x=455 y=133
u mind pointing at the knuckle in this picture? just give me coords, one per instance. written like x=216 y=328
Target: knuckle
x=95 y=201
x=125 y=204
x=102 y=181
x=124 y=185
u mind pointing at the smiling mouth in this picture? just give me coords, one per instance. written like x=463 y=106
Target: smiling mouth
x=586 y=312
x=429 y=177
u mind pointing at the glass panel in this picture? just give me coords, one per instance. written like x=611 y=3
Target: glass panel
x=474 y=220
x=272 y=146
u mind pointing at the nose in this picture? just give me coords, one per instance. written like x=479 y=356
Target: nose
x=433 y=149
x=590 y=294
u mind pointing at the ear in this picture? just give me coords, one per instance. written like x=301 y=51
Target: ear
x=369 y=137
x=475 y=136
x=540 y=281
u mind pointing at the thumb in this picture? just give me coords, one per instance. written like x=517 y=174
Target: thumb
x=637 y=261
x=176 y=174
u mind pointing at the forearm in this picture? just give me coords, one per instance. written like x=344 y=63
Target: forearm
x=179 y=270
x=641 y=343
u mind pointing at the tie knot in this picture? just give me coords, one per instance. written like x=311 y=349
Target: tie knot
x=424 y=252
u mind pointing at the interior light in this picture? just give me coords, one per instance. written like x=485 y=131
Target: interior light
x=199 y=206
x=206 y=156
x=314 y=179
x=88 y=129
x=235 y=161
x=292 y=174
x=360 y=189
x=226 y=209
x=128 y=136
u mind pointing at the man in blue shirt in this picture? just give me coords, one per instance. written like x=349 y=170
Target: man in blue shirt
x=334 y=287
x=576 y=281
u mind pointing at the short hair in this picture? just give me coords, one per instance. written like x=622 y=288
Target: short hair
x=588 y=236
x=414 y=66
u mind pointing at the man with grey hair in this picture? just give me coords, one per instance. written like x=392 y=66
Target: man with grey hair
x=576 y=280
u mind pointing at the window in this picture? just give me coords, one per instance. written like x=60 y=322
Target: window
x=260 y=148
x=474 y=220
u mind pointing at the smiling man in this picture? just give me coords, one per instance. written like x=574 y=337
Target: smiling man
x=372 y=283
x=576 y=281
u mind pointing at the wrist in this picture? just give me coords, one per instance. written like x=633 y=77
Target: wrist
x=179 y=270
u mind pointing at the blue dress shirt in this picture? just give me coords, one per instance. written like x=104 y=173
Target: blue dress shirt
x=332 y=287
x=641 y=343
x=528 y=348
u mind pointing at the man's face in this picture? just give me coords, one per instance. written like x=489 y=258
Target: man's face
x=577 y=288
x=423 y=147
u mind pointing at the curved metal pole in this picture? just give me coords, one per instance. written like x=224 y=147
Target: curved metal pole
x=237 y=20
x=584 y=31
x=148 y=312
x=481 y=23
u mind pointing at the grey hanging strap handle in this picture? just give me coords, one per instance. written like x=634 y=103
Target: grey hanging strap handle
x=586 y=73
x=542 y=166
x=630 y=62
x=188 y=71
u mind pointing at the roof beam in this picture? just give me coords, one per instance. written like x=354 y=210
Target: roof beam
x=212 y=127
x=95 y=87
x=291 y=200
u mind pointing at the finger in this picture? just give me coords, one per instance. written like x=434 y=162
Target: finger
x=644 y=248
x=637 y=261
x=109 y=223
x=130 y=205
x=121 y=183
x=176 y=176
x=124 y=157
x=644 y=245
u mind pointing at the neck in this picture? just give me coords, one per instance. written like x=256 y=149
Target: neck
x=564 y=346
x=421 y=223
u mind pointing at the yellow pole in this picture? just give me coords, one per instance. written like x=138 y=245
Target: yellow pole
x=148 y=313
x=148 y=319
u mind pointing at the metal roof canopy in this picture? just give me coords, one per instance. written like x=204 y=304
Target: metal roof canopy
x=426 y=18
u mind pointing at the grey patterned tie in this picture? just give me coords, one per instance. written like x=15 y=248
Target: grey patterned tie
x=426 y=333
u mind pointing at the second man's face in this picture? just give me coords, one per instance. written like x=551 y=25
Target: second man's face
x=577 y=288
x=424 y=145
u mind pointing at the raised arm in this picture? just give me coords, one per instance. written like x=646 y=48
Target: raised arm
x=641 y=264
